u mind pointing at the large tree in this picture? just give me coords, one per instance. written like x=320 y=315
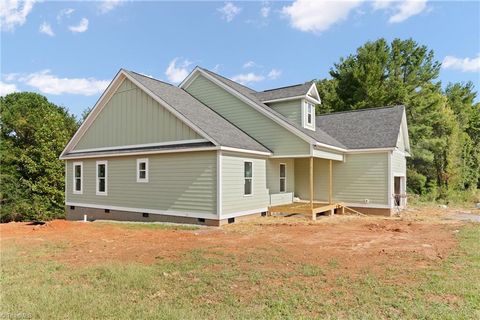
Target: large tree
x=443 y=126
x=33 y=134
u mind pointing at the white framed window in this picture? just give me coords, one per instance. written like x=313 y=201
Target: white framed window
x=309 y=115
x=102 y=178
x=248 y=178
x=283 y=177
x=78 y=177
x=142 y=170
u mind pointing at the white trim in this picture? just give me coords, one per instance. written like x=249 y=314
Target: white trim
x=240 y=96
x=366 y=205
x=280 y=177
x=142 y=180
x=219 y=184
x=372 y=150
x=97 y=192
x=305 y=124
x=314 y=101
x=149 y=211
x=284 y=99
x=390 y=180
x=314 y=87
x=322 y=154
x=74 y=190
x=136 y=153
x=245 y=178
x=244 y=213
x=144 y=145
x=245 y=151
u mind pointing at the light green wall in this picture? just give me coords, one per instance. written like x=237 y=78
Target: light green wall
x=360 y=177
x=260 y=127
x=400 y=141
x=290 y=109
x=399 y=164
x=233 y=199
x=179 y=182
x=133 y=117
x=273 y=175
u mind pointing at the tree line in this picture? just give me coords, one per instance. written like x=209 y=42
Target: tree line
x=444 y=128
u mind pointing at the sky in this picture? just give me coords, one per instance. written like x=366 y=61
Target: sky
x=70 y=51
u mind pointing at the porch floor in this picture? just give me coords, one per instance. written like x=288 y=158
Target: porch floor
x=305 y=208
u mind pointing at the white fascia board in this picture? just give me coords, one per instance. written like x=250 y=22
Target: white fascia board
x=284 y=99
x=245 y=151
x=313 y=87
x=371 y=150
x=326 y=155
x=145 y=145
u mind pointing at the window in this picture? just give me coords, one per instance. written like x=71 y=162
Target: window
x=142 y=170
x=309 y=113
x=102 y=175
x=248 y=175
x=78 y=177
x=283 y=177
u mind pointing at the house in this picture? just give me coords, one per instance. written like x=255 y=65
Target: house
x=212 y=151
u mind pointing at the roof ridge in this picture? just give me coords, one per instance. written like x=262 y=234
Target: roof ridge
x=145 y=76
x=360 y=110
x=217 y=74
x=285 y=87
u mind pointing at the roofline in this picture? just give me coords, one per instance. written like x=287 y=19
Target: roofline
x=290 y=86
x=146 y=152
x=293 y=98
x=253 y=104
x=358 y=110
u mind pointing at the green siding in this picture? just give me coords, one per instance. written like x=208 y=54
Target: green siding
x=290 y=109
x=360 y=177
x=132 y=117
x=273 y=175
x=257 y=125
x=183 y=182
x=233 y=199
x=399 y=164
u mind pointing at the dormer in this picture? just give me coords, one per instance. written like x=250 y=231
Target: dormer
x=296 y=103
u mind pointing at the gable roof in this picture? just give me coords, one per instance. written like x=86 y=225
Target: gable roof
x=364 y=129
x=284 y=92
x=318 y=135
x=203 y=119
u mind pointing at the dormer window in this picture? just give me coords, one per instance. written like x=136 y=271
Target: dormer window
x=309 y=115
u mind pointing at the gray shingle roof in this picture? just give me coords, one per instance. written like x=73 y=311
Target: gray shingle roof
x=364 y=129
x=285 y=92
x=318 y=135
x=215 y=126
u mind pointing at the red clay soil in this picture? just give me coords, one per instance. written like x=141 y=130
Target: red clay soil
x=351 y=243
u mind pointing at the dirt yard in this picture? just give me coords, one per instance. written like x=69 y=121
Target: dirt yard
x=248 y=262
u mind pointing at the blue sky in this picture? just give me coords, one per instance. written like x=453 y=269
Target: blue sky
x=69 y=51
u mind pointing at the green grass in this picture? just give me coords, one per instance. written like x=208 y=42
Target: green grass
x=213 y=284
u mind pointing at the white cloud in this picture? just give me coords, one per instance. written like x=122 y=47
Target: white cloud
x=6 y=88
x=249 y=64
x=108 y=5
x=14 y=13
x=274 y=74
x=407 y=9
x=81 y=27
x=65 y=13
x=318 y=16
x=246 y=78
x=382 y=4
x=48 y=83
x=46 y=28
x=176 y=73
x=464 y=65
x=265 y=11
x=217 y=67
x=229 y=11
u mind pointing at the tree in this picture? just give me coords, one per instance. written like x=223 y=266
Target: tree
x=33 y=134
x=443 y=126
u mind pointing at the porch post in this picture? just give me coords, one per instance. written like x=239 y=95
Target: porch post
x=311 y=189
x=330 y=182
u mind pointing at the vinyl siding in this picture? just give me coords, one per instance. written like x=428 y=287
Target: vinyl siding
x=233 y=198
x=400 y=141
x=399 y=164
x=183 y=182
x=132 y=117
x=260 y=127
x=362 y=176
x=290 y=109
x=273 y=175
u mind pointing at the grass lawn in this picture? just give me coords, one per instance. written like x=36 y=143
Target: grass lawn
x=215 y=284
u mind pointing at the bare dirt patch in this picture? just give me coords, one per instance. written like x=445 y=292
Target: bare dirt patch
x=343 y=244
